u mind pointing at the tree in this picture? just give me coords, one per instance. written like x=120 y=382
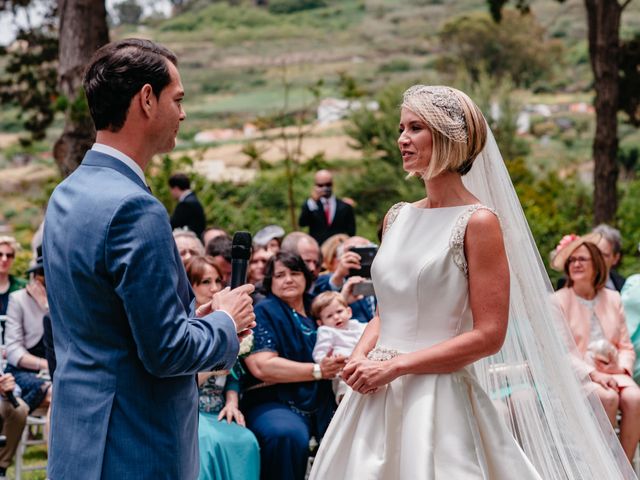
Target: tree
x=607 y=54
x=30 y=75
x=30 y=80
x=83 y=29
x=518 y=50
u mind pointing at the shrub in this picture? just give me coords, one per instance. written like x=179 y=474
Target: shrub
x=280 y=7
x=396 y=65
x=515 y=48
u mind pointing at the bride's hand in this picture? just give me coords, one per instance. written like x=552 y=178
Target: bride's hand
x=366 y=376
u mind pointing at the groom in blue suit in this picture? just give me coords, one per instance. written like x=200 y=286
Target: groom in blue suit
x=128 y=345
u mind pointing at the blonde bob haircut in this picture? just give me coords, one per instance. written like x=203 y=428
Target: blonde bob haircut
x=458 y=127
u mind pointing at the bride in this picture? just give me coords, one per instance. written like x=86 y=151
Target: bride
x=463 y=374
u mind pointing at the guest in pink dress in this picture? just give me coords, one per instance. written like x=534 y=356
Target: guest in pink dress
x=596 y=319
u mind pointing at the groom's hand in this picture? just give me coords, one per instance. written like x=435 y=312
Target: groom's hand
x=236 y=303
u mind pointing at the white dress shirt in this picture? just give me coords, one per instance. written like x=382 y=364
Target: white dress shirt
x=127 y=160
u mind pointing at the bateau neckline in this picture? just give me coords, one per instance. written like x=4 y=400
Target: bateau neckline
x=441 y=208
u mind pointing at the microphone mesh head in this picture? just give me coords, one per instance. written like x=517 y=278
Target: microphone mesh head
x=241 y=246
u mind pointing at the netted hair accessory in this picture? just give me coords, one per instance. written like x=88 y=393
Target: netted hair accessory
x=440 y=107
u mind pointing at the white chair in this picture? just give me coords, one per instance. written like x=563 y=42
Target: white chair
x=34 y=429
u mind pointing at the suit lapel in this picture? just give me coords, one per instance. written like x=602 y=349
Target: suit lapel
x=98 y=159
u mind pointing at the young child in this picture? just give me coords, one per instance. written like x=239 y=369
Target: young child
x=338 y=333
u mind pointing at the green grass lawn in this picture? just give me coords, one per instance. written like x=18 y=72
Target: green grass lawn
x=35 y=455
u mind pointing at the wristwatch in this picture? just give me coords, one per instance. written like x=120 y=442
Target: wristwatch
x=316 y=372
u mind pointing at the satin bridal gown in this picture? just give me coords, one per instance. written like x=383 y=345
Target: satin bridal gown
x=421 y=427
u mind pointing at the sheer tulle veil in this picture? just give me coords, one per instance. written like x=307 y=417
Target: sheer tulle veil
x=534 y=381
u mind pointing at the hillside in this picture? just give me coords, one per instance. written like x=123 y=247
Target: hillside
x=248 y=73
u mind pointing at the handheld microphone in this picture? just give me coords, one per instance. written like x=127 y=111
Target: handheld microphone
x=240 y=255
x=10 y=396
x=12 y=399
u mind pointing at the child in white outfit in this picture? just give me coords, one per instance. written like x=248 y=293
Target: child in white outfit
x=338 y=334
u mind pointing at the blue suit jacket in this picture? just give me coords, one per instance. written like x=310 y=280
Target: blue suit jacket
x=124 y=394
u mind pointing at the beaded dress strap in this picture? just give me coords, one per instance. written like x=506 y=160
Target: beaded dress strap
x=392 y=214
x=456 y=243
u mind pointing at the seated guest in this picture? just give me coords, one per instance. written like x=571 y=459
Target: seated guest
x=363 y=308
x=8 y=283
x=292 y=399
x=24 y=338
x=610 y=245
x=259 y=258
x=188 y=244
x=609 y=242
x=255 y=274
x=220 y=250
x=227 y=449
x=12 y=422
x=596 y=320
x=329 y=251
x=212 y=232
x=631 y=302
x=269 y=237
x=205 y=278
x=306 y=247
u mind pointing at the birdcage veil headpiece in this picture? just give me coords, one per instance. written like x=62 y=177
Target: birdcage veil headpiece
x=441 y=108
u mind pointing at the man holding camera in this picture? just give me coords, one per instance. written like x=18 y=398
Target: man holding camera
x=353 y=277
x=12 y=422
x=323 y=213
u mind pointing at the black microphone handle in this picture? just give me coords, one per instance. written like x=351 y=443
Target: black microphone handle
x=238 y=272
x=12 y=399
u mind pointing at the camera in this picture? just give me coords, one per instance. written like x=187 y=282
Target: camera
x=367 y=254
x=364 y=288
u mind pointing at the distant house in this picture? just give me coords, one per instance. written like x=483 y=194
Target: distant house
x=334 y=109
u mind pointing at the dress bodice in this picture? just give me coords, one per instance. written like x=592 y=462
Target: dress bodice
x=420 y=277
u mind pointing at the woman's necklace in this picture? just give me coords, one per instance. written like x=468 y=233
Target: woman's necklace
x=305 y=329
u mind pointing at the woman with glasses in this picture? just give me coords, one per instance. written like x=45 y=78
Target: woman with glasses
x=227 y=449
x=596 y=319
x=291 y=400
x=8 y=283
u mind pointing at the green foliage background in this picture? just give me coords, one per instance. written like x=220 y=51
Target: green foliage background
x=234 y=55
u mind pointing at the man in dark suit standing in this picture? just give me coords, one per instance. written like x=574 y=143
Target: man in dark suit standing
x=189 y=212
x=128 y=344
x=323 y=213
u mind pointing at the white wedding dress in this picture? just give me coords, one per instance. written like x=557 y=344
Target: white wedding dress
x=421 y=427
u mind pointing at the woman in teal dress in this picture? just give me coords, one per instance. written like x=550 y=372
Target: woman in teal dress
x=228 y=450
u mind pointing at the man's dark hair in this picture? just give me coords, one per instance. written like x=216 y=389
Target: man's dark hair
x=118 y=71
x=220 y=246
x=179 y=180
x=290 y=260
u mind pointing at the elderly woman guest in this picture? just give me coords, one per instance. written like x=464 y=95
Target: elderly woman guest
x=188 y=244
x=228 y=450
x=8 y=283
x=597 y=322
x=294 y=400
x=24 y=338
